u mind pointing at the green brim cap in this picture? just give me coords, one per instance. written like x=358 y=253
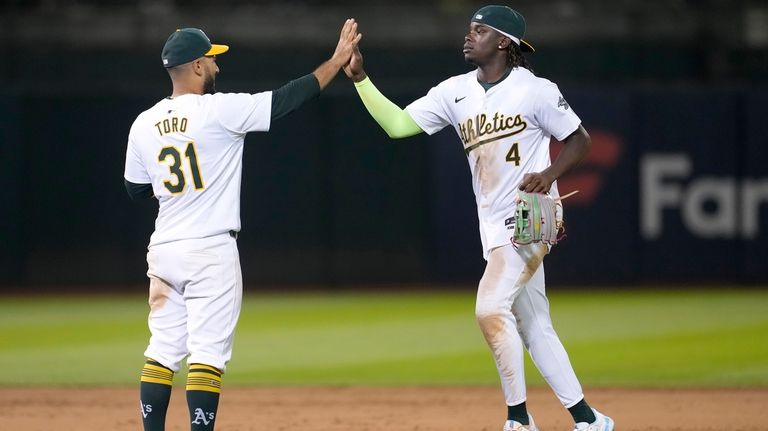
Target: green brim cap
x=188 y=44
x=506 y=21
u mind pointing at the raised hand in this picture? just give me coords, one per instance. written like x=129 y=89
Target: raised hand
x=354 y=69
x=348 y=40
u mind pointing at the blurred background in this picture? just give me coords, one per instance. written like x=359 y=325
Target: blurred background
x=674 y=94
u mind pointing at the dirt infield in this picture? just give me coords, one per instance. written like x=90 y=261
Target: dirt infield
x=384 y=409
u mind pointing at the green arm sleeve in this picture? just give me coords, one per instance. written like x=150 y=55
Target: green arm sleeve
x=395 y=121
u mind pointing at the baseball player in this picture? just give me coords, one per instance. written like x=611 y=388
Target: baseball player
x=186 y=151
x=504 y=116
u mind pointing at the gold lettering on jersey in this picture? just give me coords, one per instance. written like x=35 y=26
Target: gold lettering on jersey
x=171 y=125
x=479 y=130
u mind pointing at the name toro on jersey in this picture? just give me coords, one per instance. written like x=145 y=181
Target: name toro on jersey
x=505 y=132
x=190 y=149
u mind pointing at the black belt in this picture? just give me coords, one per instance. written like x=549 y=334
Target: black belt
x=233 y=234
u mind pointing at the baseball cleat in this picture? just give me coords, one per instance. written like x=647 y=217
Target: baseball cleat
x=517 y=426
x=601 y=423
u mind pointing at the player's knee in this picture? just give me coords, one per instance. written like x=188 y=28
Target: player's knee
x=485 y=310
x=492 y=327
x=489 y=316
x=158 y=293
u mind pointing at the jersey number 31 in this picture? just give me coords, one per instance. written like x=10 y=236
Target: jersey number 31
x=177 y=184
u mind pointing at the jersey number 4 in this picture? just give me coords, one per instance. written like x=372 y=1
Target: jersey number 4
x=177 y=184
x=514 y=155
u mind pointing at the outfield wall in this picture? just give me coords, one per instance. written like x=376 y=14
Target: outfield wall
x=675 y=189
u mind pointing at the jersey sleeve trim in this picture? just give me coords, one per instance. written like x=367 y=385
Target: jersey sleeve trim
x=241 y=113
x=430 y=111
x=565 y=135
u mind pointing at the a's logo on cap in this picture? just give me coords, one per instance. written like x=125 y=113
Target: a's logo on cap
x=165 y=61
x=478 y=16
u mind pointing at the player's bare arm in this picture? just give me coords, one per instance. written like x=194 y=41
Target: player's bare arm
x=577 y=145
x=348 y=39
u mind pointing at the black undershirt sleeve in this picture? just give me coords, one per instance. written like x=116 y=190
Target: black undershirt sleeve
x=292 y=95
x=138 y=191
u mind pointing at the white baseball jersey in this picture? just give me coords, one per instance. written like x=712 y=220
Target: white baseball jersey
x=505 y=132
x=190 y=149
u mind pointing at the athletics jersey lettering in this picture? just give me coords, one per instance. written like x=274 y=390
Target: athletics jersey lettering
x=472 y=131
x=518 y=116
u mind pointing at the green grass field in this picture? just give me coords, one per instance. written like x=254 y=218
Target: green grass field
x=637 y=338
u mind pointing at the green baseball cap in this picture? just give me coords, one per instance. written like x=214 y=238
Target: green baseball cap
x=506 y=21
x=187 y=44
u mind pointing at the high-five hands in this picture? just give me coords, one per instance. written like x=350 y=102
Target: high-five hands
x=354 y=69
x=348 y=40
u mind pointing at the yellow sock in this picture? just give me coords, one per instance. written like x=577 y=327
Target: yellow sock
x=154 y=372
x=203 y=378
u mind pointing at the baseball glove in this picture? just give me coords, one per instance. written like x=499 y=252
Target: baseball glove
x=537 y=219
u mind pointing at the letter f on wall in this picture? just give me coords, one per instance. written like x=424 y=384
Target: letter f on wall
x=655 y=195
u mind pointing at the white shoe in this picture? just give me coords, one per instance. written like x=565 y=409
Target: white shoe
x=517 y=426
x=601 y=423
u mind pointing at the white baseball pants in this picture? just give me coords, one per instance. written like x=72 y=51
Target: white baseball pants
x=195 y=294
x=512 y=310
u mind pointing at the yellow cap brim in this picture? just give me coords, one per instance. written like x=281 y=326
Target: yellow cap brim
x=526 y=47
x=217 y=49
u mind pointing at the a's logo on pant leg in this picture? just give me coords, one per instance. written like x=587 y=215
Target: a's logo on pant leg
x=200 y=415
x=146 y=409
